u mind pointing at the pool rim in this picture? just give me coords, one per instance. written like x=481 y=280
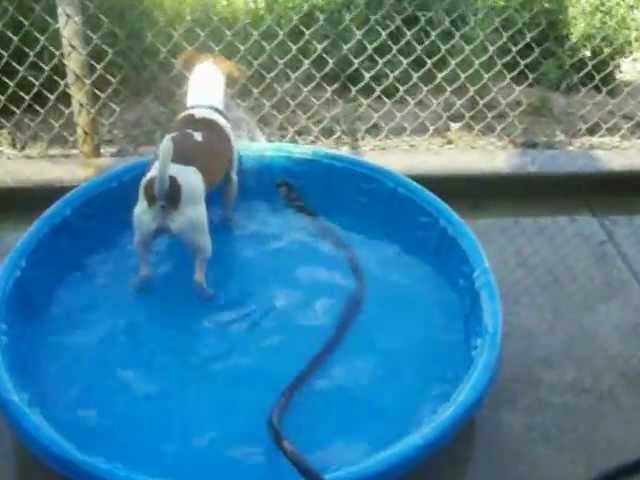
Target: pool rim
x=64 y=457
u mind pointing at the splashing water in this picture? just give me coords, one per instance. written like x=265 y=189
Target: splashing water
x=244 y=125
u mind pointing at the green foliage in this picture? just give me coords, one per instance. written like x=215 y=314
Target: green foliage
x=366 y=47
x=28 y=54
x=563 y=44
x=605 y=31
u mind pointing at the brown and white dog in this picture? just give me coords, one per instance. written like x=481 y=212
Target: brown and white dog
x=197 y=155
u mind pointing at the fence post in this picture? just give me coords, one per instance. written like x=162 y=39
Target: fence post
x=78 y=76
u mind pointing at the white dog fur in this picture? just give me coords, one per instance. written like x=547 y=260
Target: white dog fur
x=191 y=160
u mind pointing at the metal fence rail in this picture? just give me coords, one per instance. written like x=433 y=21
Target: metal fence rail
x=101 y=77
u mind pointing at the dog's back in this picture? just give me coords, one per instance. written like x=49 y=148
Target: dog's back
x=202 y=136
x=204 y=144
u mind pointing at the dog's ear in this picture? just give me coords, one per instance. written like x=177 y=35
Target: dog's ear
x=228 y=67
x=191 y=57
x=187 y=60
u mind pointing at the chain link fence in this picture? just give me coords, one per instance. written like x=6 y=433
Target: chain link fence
x=101 y=75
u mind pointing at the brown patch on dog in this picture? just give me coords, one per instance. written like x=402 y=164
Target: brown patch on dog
x=174 y=193
x=212 y=156
x=173 y=197
x=149 y=191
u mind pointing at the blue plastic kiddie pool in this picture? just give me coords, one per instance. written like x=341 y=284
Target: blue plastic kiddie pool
x=102 y=382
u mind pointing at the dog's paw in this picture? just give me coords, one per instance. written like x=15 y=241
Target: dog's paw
x=204 y=292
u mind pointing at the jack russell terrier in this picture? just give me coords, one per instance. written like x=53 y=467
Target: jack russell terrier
x=198 y=154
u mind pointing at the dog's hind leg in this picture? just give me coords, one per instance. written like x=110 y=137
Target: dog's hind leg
x=200 y=272
x=145 y=233
x=202 y=248
x=231 y=190
x=193 y=228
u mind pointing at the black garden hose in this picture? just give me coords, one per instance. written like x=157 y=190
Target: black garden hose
x=630 y=469
x=350 y=311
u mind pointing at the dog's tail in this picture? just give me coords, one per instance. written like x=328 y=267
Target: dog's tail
x=165 y=153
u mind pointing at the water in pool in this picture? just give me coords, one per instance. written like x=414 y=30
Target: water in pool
x=162 y=375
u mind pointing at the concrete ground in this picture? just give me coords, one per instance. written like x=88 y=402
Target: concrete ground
x=566 y=402
x=17 y=172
